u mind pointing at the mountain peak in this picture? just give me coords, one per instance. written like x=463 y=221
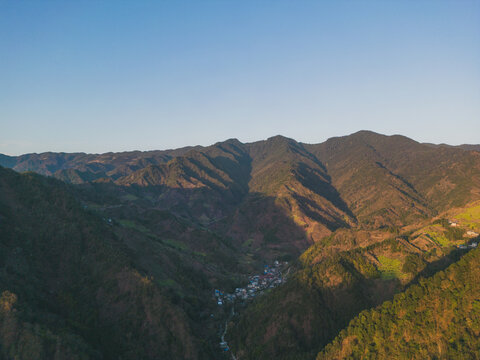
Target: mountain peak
x=280 y=138
x=231 y=141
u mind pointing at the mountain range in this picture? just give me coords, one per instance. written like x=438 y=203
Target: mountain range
x=116 y=255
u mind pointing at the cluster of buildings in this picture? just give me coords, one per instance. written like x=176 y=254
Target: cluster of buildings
x=471 y=245
x=224 y=346
x=270 y=278
x=468 y=233
x=221 y=298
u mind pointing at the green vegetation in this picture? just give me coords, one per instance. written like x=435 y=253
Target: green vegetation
x=248 y=243
x=413 y=264
x=390 y=268
x=437 y=319
x=176 y=244
x=129 y=197
x=322 y=295
x=442 y=234
x=133 y=225
x=70 y=290
x=470 y=217
x=438 y=238
x=327 y=291
x=454 y=233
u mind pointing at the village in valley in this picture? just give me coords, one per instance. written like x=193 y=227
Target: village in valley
x=276 y=274
x=271 y=277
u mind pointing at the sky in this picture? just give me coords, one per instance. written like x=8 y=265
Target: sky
x=99 y=76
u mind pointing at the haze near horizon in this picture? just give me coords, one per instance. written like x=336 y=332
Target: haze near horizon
x=110 y=76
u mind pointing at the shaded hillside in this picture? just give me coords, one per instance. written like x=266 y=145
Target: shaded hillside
x=466 y=147
x=470 y=147
x=284 y=169
x=297 y=319
x=201 y=185
x=436 y=319
x=242 y=190
x=76 y=176
x=7 y=161
x=68 y=288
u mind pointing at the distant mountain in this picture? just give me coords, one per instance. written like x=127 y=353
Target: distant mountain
x=113 y=164
x=466 y=147
x=7 y=161
x=470 y=147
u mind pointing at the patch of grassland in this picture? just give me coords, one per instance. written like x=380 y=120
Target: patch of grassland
x=470 y=217
x=441 y=235
x=390 y=268
x=438 y=237
x=93 y=206
x=129 y=197
x=167 y=283
x=175 y=244
x=133 y=225
x=204 y=219
x=248 y=243
x=248 y=259
x=298 y=220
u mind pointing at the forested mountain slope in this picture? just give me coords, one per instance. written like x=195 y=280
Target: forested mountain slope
x=332 y=285
x=69 y=289
x=437 y=319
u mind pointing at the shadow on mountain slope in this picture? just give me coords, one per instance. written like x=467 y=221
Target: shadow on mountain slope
x=70 y=288
x=299 y=318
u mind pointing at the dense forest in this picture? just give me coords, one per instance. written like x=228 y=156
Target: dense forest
x=69 y=287
x=439 y=318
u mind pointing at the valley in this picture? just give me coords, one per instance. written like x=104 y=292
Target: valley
x=271 y=249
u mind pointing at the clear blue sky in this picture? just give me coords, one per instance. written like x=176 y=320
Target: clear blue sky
x=99 y=76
